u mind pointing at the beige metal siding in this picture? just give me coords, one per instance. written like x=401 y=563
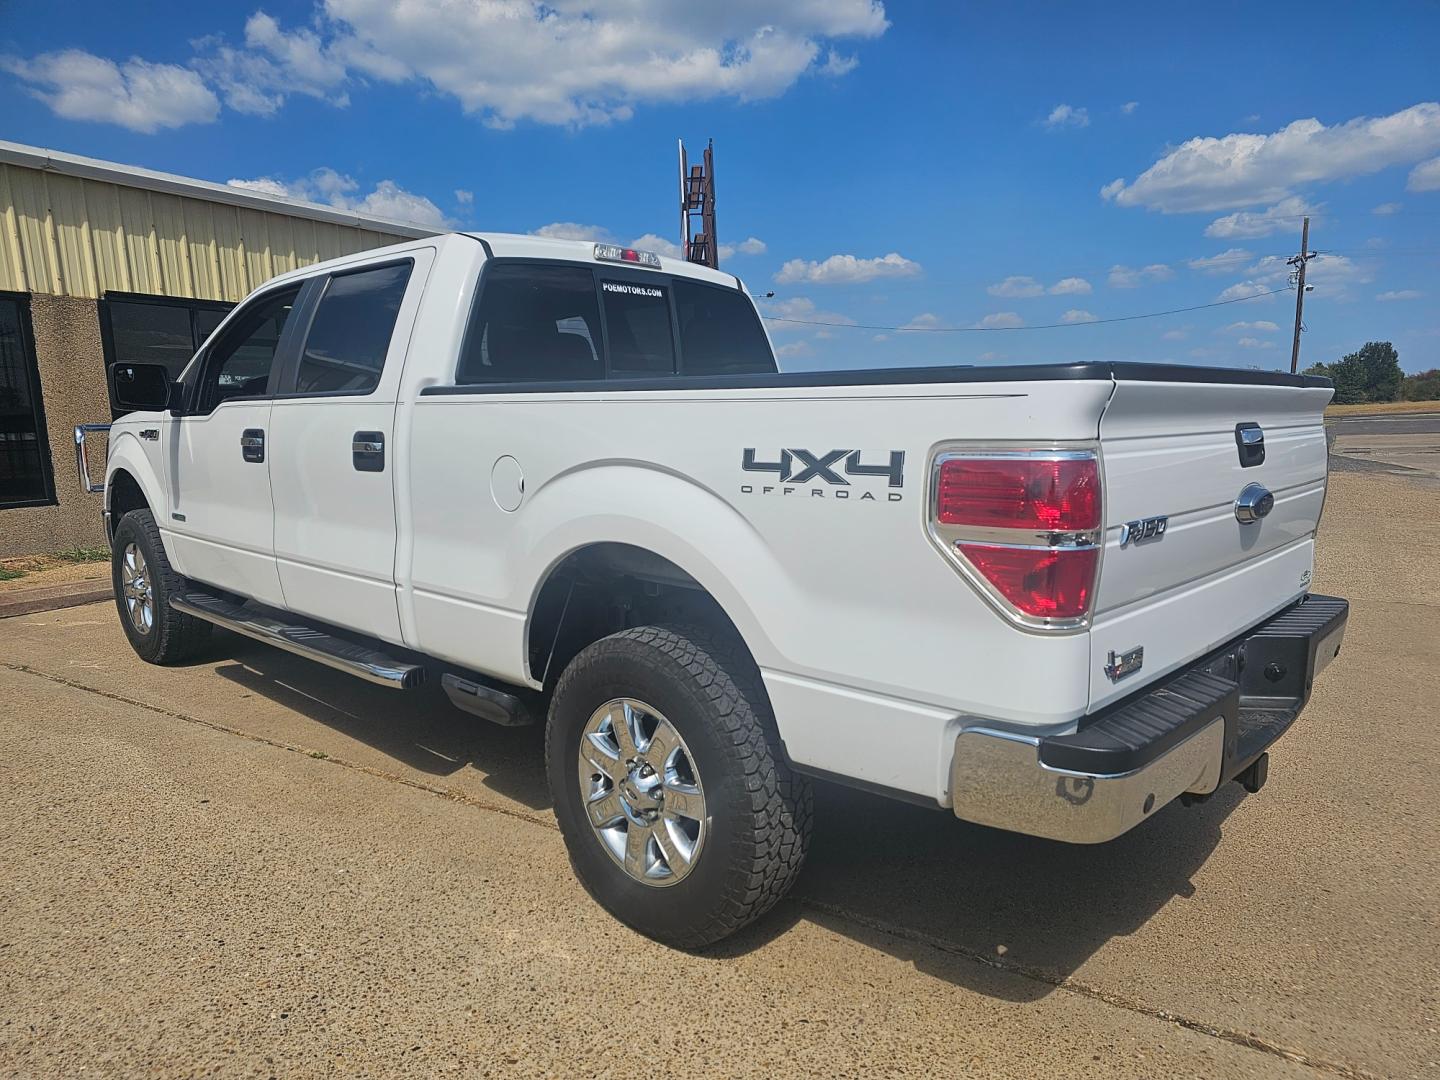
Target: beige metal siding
x=71 y=236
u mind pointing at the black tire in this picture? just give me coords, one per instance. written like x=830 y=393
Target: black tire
x=172 y=637
x=758 y=811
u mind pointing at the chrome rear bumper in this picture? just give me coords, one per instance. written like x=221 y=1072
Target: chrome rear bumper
x=997 y=778
x=1186 y=734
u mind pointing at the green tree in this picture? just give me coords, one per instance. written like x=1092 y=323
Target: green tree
x=1423 y=386
x=1371 y=374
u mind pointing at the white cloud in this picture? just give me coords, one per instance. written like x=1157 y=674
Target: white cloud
x=566 y=62
x=464 y=198
x=265 y=186
x=1001 y=320
x=1249 y=225
x=1178 y=334
x=1068 y=116
x=1245 y=289
x=1016 y=286
x=1333 y=274
x=881 y=337
x=1387 y=208
x=794 y=349
x=750 y=246
x=836 y=65
x=1260 y=326
x=138 y=95
x=1076 y=315
x=1225 y=262
x=926 y=321
x=1243 y=170
x=1127 y=277
x=802 y=309
x=326 y=186
x=1129 y=107
x=1425 y=176
x=574 y=63
x=1254 y=343
x=658 y=244
x=1399 y=294
x=847 y=269
x=1070 y=286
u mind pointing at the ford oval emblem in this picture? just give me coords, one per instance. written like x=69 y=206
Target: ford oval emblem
x=1253 y=504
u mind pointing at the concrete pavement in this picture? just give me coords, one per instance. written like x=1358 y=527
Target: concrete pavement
x=256 y=866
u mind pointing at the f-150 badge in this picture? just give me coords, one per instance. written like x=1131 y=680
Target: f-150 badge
x=1151 y=528
x=822 y=473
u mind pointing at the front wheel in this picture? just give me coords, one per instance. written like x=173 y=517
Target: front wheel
x=680 y=816
x=144 y=582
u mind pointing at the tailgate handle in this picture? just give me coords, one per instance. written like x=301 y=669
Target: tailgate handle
x=1250 y=441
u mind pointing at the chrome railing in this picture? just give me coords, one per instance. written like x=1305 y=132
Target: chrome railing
x=82 y=466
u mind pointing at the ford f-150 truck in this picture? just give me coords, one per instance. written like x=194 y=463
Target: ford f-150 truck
x=567 y=481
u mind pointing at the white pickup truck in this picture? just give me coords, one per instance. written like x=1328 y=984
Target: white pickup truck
x=568 y=481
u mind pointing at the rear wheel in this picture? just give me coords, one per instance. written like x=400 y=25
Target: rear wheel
x=144 y=583
x=680 y=816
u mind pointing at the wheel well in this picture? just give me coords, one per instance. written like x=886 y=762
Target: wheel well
x=602 y=589
x=124 y=495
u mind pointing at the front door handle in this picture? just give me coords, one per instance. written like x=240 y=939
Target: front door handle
x=367 y=451
x=252 y=444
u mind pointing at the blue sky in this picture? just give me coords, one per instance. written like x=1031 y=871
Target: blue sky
x=935 y=166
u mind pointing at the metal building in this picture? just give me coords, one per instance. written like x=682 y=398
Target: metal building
x=103 y=263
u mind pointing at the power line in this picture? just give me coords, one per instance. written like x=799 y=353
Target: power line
x=1038 y=326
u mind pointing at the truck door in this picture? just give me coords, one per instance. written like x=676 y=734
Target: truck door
x=220 y=519
x=333 y=455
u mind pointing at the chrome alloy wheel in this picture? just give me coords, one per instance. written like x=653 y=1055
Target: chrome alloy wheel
x=641 y=792
x=138 y=592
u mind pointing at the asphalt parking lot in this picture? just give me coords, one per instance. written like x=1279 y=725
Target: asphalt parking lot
x=256 y=866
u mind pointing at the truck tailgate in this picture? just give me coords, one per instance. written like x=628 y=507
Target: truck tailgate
x=1171 y=450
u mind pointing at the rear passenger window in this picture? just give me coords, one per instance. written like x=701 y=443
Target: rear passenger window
x=350 y=334
x=533 y=324
x=720 y=334
x=637 y=320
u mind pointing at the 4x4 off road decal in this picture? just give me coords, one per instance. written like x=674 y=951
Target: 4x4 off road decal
x=828 y=474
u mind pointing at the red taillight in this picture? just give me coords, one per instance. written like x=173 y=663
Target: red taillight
x=1048 y=583
x=1060 y=494
x=1026 y=526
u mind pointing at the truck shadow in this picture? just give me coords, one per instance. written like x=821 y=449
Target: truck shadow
x=1002 y=914
x=418 y=728
x=998 y=913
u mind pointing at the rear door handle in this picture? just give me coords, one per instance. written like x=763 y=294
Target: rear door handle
x=367 y=451
x=252 y=444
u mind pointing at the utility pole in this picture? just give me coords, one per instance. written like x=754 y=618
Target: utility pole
x=697 y=207
x=1297 y=278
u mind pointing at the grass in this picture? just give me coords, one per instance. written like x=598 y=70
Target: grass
x=7 y=574
x=84 y=554
x=1373 y=408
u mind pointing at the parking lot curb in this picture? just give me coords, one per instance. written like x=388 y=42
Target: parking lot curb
x=52 y=597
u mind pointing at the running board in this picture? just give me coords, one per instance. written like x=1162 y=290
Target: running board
x=487 y=702
x=302 y=640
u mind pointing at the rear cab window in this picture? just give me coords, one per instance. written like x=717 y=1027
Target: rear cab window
x=575 y=322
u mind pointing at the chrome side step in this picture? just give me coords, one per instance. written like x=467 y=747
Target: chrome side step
x=302 y=640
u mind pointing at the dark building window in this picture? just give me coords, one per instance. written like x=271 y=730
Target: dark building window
x=25 y=477
x=156 y=330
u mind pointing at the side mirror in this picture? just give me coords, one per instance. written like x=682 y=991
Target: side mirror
x=140 y=386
